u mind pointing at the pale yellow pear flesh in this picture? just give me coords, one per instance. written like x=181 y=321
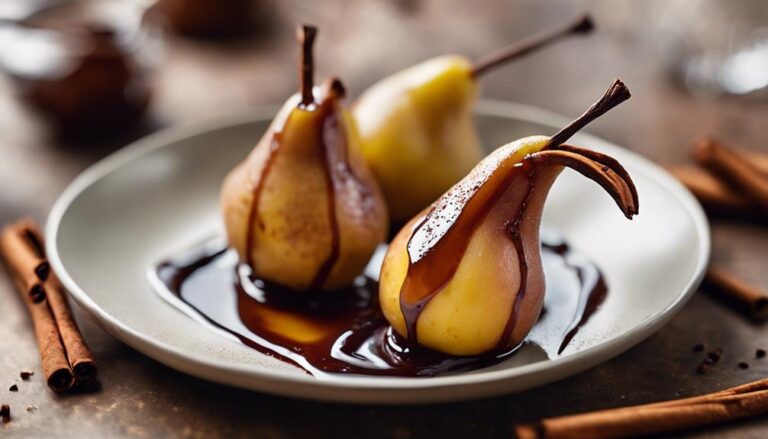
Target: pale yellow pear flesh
x=292 y=235
x=418 y=133
x=470 y=314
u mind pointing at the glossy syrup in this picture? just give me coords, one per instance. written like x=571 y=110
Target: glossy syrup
x=345 y=331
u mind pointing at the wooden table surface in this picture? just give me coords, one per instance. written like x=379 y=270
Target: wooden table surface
x=361 y=41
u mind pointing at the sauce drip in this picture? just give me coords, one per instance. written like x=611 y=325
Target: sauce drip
x=336 y=169
x=345 y=331
x=438 y=243
x=513 y=230
x=253 y=215
x=330 y=127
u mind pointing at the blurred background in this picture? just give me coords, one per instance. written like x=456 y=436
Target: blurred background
x=695 y=67
x=79 y=80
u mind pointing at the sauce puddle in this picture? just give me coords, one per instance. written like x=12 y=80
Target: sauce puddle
x=345 y=331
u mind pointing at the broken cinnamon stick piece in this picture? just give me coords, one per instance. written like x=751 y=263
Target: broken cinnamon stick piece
x=747 y=297
x=715 y=195
x=665 y=417
x=734 y=167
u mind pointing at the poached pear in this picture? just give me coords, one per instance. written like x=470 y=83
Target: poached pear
x=417 y=126
x=465 y=276
x=302 y=209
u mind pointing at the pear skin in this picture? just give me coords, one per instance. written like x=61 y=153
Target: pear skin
x=417 y=132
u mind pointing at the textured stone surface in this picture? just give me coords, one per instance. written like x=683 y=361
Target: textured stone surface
x=141 y=398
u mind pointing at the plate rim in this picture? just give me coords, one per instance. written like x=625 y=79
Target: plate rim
x=212 y=369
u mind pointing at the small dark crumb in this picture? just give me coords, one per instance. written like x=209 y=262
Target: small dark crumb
x=698 y=348
x=14 y=388
x=25 y=374
x=5 y=413
x=760 y=353
x=714 y=356
x=31 y=408
x=743 y=365
x=711 y=358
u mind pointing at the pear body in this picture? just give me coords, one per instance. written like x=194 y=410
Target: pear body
x=484 y=305
x=302 y=209
x=418 y=133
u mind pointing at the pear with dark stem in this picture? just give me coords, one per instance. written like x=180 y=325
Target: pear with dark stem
x=417 y=126
x=465 y=277
x=303 y=210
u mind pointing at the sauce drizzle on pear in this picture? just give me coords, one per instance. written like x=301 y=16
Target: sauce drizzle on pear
x=513 y=231
x=329 y=123
x=437 y=244
x=253 y=215
x=338 y=172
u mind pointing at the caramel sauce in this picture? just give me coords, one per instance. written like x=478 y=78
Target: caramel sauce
x=345 y=331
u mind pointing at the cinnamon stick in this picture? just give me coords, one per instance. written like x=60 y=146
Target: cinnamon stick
x=25 y=255
x=56 y=368
x=734 y=167
x=747 y=297
x=80 y=357
x=760 y=160
x=665 y=417
x=64 y=353
x=715 y=195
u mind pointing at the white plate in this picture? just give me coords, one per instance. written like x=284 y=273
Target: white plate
x=161 y=195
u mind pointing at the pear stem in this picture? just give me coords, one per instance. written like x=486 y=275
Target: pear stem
x=306 y=36
x=580 y=25
x=616 y=94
